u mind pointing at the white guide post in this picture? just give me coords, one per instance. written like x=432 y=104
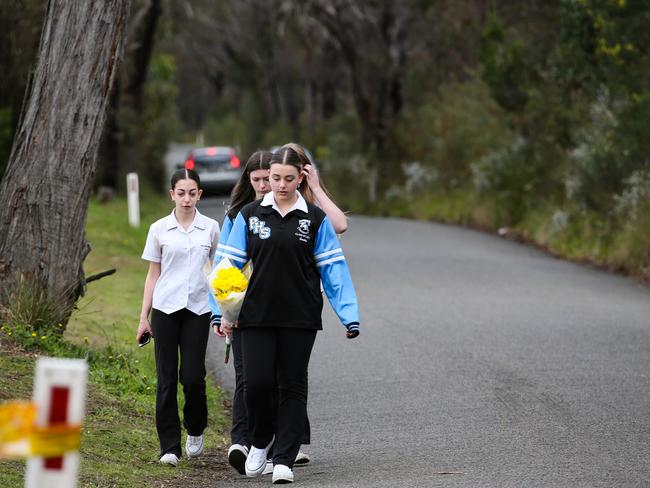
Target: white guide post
x=133 y=199
x=59 y=395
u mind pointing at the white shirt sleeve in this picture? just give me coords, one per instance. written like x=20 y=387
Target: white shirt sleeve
x=214 y=238
x=152 y=251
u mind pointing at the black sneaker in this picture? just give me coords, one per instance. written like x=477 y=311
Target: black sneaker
x=302 y=459
x=237 y=455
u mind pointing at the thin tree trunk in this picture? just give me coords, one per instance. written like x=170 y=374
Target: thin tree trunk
x=45 y=190
x=145 y=31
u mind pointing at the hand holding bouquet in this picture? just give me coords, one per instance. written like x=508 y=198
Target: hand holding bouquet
x=228 y=285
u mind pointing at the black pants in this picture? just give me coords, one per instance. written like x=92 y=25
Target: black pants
x=187 y=332
x=239 y=428
x=276 y=358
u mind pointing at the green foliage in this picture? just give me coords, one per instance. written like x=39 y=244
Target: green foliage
x=505 y=66
x=226 y=129
x=119 y=443
x=35 y=309
x=508 y=174
x=159 y=120
x=450 y=131
x=631 y=248
x=277 y=134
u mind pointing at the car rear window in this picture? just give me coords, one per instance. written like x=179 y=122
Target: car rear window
x=212 y=162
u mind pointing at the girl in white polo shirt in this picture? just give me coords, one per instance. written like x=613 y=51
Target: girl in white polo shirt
x=176 y=293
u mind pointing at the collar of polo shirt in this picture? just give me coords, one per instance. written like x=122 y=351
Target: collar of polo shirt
x=269 y=201
x=198 y=222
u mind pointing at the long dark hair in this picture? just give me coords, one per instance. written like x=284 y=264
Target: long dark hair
x=243 y=192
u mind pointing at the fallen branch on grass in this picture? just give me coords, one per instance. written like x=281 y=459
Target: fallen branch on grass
x=101 y=275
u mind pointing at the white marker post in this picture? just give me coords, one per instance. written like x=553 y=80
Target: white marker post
x=133 y=199
x=59 y=395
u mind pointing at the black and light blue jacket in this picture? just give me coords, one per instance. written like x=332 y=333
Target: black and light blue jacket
x=291 y=255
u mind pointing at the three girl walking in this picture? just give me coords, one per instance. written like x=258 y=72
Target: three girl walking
x=293 y=247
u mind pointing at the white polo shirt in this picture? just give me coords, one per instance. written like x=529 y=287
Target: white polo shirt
x=182 y=255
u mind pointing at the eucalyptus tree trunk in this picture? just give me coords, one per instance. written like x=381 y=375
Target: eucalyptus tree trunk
x=45 y=190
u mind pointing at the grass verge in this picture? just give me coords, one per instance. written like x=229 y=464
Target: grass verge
x=588 y=237
x=119 y=442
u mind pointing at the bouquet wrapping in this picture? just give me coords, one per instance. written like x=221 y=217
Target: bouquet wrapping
x=228 y=285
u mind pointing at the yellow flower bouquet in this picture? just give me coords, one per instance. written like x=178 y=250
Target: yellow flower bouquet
x=228 y=285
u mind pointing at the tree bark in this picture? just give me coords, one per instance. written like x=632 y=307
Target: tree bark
x=45 y=190
x=143 y=42
x=371 y=39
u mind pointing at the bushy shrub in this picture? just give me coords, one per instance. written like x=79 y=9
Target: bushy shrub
x=30 y=305
x=609 y=155
x=451 y=130
x=634 y=197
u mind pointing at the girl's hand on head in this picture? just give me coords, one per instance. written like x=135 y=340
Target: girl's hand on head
x=311 y=175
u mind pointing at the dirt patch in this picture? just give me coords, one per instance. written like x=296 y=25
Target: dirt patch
x=210 y=470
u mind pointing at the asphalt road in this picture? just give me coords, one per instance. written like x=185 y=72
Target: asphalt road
x=481 y=363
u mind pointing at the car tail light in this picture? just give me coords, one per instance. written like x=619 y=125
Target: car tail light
x=211 y=151
x=189 y=164
x=234 y=161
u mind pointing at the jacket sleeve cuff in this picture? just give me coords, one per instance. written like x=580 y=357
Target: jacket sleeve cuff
x=215 y=320
x=352 y=326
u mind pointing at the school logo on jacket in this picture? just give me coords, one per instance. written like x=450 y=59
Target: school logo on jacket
x=303 y=230
x=257 y=226
x=303 y=226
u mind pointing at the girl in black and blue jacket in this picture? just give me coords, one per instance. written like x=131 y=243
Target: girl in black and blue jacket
x=293 y=247
x=253 y=185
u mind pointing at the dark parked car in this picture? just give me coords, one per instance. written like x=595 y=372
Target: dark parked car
x=218 y=167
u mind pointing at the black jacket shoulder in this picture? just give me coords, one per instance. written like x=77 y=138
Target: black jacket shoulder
x=250 y=208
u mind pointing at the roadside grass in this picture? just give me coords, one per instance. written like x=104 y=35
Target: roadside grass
x=15 y=383
x=119 y=441
x=588 y=237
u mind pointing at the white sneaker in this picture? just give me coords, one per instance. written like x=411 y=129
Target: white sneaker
x=302 y=458
x=169 y=458
x=282 y=474
x=194 y=446
x=268 y=469
x=237 y=457
x=256 y=460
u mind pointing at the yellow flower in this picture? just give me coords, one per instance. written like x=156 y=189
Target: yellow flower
x=33 y=334
x=227 y=281
x=43 y=338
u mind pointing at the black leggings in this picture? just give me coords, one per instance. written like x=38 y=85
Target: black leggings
x=187 y=332
x=239 y=428
x=276 y=358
